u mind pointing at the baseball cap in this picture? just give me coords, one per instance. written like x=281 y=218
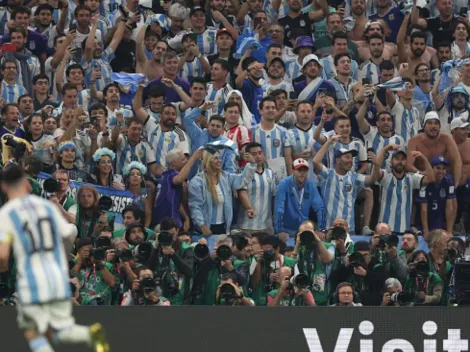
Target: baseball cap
x=431 y=115
x=459 y=89
x=311 y=57
x=439 y=160
x=196 y=8
x=458 y=123
x=223 y=31
x=341 y=151
x=401 y=150
x=300 y=163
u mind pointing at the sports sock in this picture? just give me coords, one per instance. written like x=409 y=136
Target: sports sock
x=74 y=335
x=40 y=344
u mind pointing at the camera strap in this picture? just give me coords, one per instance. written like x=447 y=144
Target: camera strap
x=298 y=197
x=87 y=275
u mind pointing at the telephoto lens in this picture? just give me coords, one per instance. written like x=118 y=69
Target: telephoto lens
x=224 y=252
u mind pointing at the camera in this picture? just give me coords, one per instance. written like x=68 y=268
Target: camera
x=98 y=253
x=201 y=252
x=300 y=281
x=356 y=260
x=421 y=269
x=165 y=239
x=168 y=283
x=338 y=233
x=105 y=203
x=402 y=298
x=18 y=148
x=307 y=239
x=124 y=254
x=240 y=242
x=269 y=255
x=142 y=252
x=102 y=244
x=224 y=252
x=227 y=295
x=147 y=284
x=451 y=253
x=51 y=186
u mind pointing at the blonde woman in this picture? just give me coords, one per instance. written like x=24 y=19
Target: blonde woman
x=210 y=194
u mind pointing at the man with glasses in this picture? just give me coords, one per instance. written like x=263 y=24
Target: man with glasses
x=66 y=205
x=11 y=90
x=344 y=296
x=41 y=98
x=422 y=96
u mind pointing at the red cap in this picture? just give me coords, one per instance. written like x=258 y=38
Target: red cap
x=223 y=31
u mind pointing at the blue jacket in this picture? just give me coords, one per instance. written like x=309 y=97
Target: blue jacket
x=287 y=216
x=199 y=137
x=200 y=198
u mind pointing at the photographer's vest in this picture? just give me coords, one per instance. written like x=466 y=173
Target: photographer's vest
x=317 y=272
x=429 y=283
x=434 y=268
x=92 y=285
x=86 y=224
x=184 y=283
x=68 y=203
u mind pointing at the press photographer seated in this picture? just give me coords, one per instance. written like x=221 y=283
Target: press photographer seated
x=144 y=291
x=293 y=290
x=230 y=294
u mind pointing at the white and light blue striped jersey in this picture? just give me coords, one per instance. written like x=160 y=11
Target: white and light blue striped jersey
x=126 y=153
x=406 y=121
x=218 y=95
x=163 y=142
x=44 y=148
x=355 y=144
x=268 y=88
x=301 y=141
x=112 y=119
x=369 y=70
x=83 y=100
x=374 y=140
x=205 y=41
x=218 y=216
x=339 y=193
x=105 y=67
x=293 y=69
x=261 y=192
x=35 y=229
x=4 y=18
x=34 y=68
x=191 y=69
x=397 y=199
x=329 y=69
x=107 y=7
x=11 y=93
x=273 y=141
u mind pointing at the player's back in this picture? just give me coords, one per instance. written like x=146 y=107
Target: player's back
x=36 y=227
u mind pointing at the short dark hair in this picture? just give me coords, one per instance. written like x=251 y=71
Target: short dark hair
x=270 y=239
x=274 y=45
x=302 y=102
x=169 y=105
x=40 y=76
x=157 y=92
x=386 y=65
x=199 y=80
x=13 y=174
x=74 y=67
x=59 y=35
x=24 y=96
x=338 y=35
x=275 y=93
x=42 y=7
x=266 y=99
x=18 y=29
x=375 y=36
x=68 y=86
x=133 y=119
x=79 y=8
x=223 y=63
x=341 y=118
x=98 y=106
x=417 y=34
x=20 y=9
x=339 y=56
x=137 y=212
x=168 y=224
x=445 y=44
x=7 y=106
x=9 y=61
x=34 y=162
x=252 y=145
x=231 y=104
x=217 y=118
x=247 y=62
x=106 y=88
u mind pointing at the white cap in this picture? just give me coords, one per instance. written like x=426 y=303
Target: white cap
x=431 y=115
x=311 y=57
x=299 y=163
x=458 y=123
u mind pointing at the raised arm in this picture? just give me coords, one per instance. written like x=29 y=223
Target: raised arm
x=318 y=158
x=141 y=58
x=364 y=126
x=453 y=155
x=137 y=105
x=401 y=37
x=90 y=40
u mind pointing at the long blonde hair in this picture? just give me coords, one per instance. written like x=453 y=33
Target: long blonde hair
x=207 y=166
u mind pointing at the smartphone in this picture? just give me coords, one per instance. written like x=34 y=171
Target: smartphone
x=366 y=81
x=293 y=95
x=8 y=48
x=73 y=27
x=322 y=91
x=124 y=13
x=463 y=11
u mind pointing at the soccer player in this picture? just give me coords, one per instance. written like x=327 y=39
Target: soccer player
x=37 y=232
x=397 y=190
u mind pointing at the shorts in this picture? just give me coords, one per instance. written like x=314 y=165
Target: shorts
x=40 y=317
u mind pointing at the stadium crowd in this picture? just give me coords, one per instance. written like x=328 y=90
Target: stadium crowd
x=253 y=144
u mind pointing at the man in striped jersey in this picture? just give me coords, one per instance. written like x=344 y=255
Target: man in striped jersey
x=165 y=135
x=218 y=89
x=340 y=185
x=276 y=79
x=397 y=190
x=38 y=234
x=339 y=46
x=271 y=136
x=370 y=69
x=192 y=63
x=11 y=90
x=405 y=116
x=257 y=198
x=378 y=137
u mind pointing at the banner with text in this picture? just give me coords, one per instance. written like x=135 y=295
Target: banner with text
x=121 y=199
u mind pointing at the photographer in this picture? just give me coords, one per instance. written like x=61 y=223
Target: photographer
x=171 y=262
x=454 y=252
x=313 y=260
x=423 y=284
x=386 y=252
x=230 y=294
x=90 y=211
x=293 y=291
x=265 y=277
x=409 y=243
x=208 y=269
x=365 y=273
x=94 y=274
x=338 y=237
x=394 y=295
x=66 y=205
x=144 y=291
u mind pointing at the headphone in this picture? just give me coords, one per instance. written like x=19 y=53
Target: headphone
x=356 y=298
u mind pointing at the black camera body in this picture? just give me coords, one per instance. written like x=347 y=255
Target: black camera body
x=142 y=252
x=51 y=186
x=300 y=281
x=148 y=284
x=402 y=298
x=420 y=270
x=224 y=252
x=307 y=239
x=165 y=238
x=124 y=254
x=102 y=244
x=201 y=252
x=269 y=255
x=356 y=260
x=105 y=203
x=98 y=253
x=228 y=295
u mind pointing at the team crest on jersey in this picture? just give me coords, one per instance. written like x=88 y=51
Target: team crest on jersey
x=141 y=154
x=32 y=45
x=348 y=187
x=168 y=139
x=276 y=143
x=302 y=23
x=442 y=193
x=391 y=17
x=269 y=179
x=405 y=187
